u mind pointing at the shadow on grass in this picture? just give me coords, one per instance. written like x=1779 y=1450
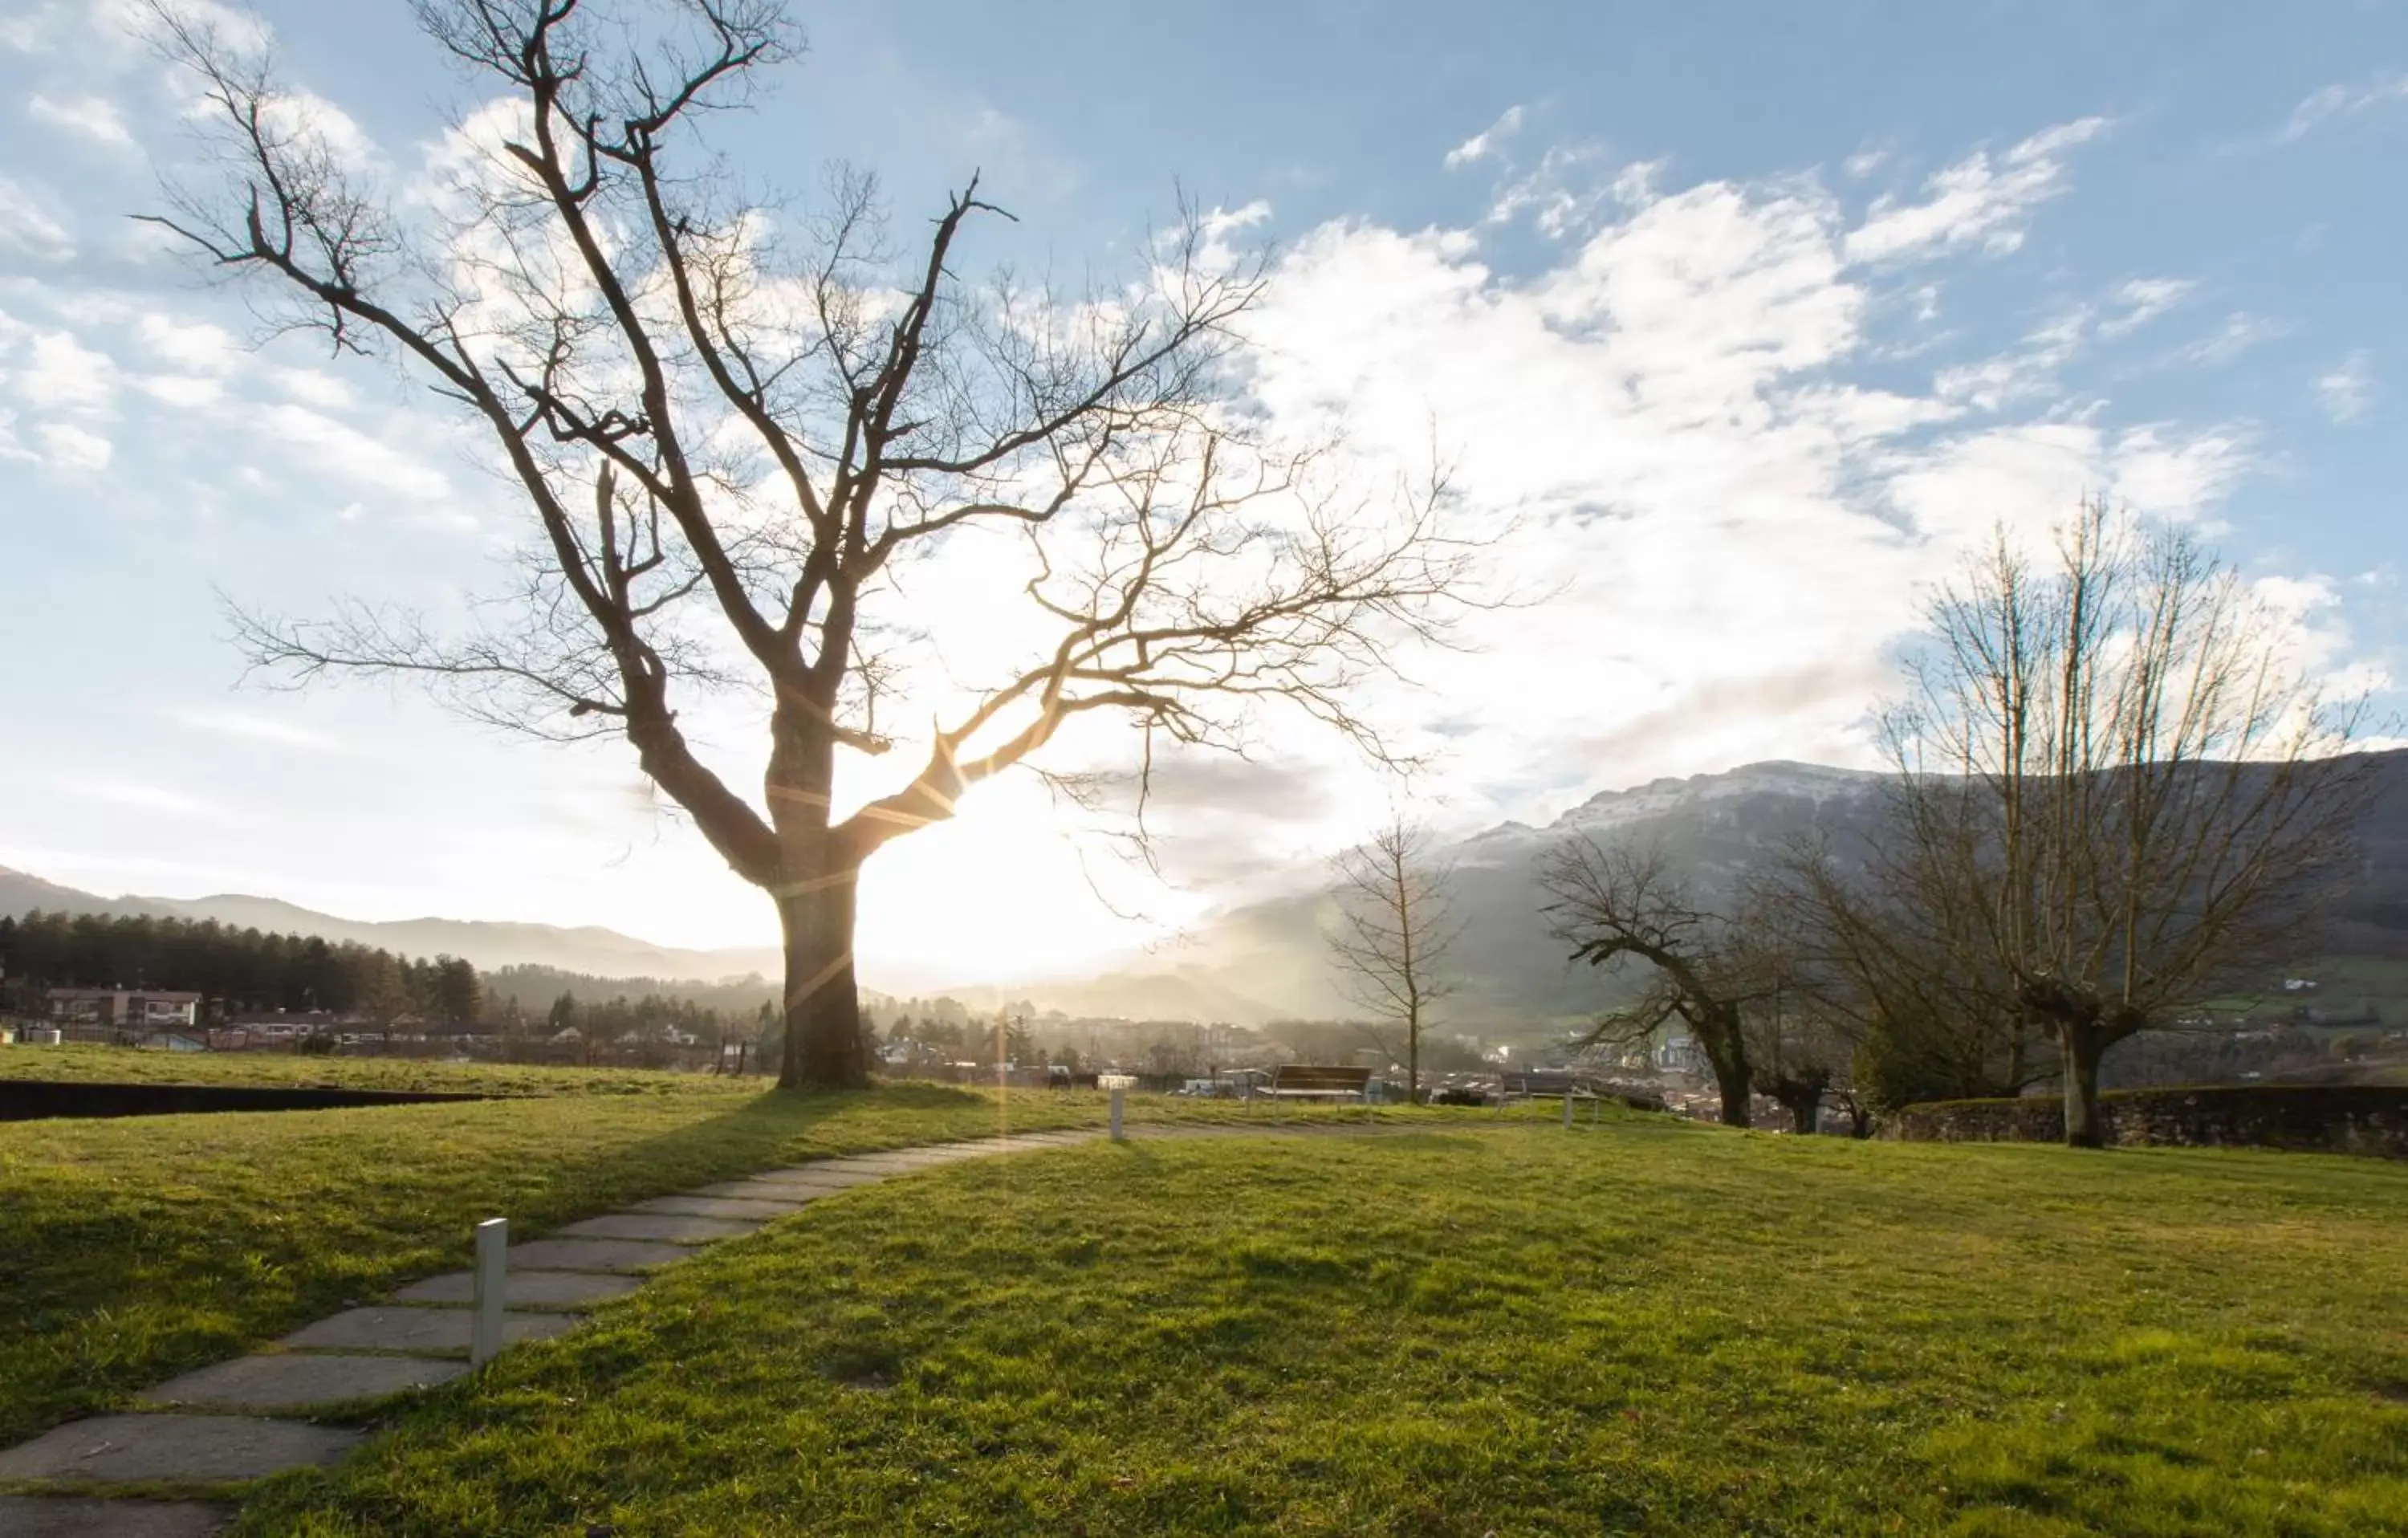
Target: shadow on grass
x=131 y=1251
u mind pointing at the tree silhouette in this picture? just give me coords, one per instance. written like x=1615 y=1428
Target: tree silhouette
x=733 y=434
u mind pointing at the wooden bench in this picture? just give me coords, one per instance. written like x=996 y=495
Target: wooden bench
x=1316 y=1082
x=1541 y=1085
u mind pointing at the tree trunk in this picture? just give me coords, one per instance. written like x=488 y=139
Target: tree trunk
x=1414 y=1059
x=822 y=1011
x=1733 y=1079
x=2080 y=1046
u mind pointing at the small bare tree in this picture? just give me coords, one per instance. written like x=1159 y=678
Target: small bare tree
x=1394 y=926
x=1613 y=904
x=733 y=432
x=2116 y=785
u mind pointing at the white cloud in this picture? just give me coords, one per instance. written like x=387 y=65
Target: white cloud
x=27 y=225
x=2239 y=333
x=1481 y=145
x=138 y=797
x=2143 y=300
x=184 y=392
x=1671 y=415
x=344 y=138
x=315 y=387
x=336 y=447
x=94 y=117
x=2348 y=390
x=2029 y=373
x=12 y=446
x=113 y=31
x=1979 y=201
x=61 y=374
x=248 y=727
x=196 y=346
x=72 y=450
x=2162 y=472
x=2330 y=103
x=1570 y=190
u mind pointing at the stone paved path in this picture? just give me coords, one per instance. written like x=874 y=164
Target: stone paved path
x=214 y=1425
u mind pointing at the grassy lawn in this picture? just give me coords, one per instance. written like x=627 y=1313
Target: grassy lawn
x=81 y=1062
x=133 y=1249
x=1641 y=1327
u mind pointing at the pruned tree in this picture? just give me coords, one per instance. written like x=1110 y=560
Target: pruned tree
x=2119 y=783
x=1896 y=965
x=1800 y=1051
x=734 y=433
x=1614 y=905
x=1394 y=926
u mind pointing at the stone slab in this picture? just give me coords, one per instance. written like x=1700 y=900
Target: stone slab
x=818 y=1177
x=88 y=1517
x=593 y=1255
x=772 y=1190
x=438 y=1329
x=718 y=1206
x=530 y=1290
x=666 y=1228
x=297 y=1381
x=201 y=1449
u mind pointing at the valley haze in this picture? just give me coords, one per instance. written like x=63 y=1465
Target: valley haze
x=1265 y=959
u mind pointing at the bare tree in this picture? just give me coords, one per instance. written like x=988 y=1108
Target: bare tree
x=1613 y=904
x=1800 y=1049
x=735 y=433
x=1394 y=926
x=1893 y=962
x=2118 y=784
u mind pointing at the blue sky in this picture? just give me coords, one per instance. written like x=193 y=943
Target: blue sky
x=1745 y=316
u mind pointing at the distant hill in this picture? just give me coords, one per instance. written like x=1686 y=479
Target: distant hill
x=1269 y=959
x=592 y=951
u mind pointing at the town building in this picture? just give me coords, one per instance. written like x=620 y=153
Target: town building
x=125 y=1009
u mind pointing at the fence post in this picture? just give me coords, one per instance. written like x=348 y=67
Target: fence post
x=490 y=1293
x=1119 y=1096
x=1568 y=1108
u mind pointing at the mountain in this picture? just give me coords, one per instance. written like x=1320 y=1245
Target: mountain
x=1267 y=961
x=596 y=951
x=1513 y=978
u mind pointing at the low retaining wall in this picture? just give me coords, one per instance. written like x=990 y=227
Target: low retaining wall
x=34 y=1100
x=2371 y=1119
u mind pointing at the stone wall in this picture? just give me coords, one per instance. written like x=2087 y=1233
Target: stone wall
x=2371 y=1119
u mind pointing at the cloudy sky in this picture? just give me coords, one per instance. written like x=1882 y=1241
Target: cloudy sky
x=1739 y=319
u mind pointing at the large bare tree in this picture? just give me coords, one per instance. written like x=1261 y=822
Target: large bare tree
x=1394 y=926
x=1614 y=905
x=734 y=433
x=2120 y=793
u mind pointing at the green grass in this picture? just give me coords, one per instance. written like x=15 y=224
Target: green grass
x=133 y=1248
x=79 y=1062
x=1643 y=1326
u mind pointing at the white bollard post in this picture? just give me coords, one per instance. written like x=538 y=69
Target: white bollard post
x=1568 y=1108
x=490 y=1290
x=1119 y=1094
